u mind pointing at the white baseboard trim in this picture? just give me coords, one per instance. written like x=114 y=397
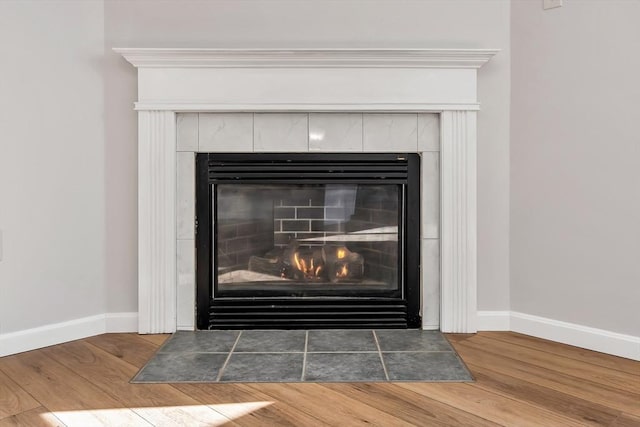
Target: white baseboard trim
x=57 y=333
x=494 y=320
x=121 y=322
x=578 y=335
x=567 y=333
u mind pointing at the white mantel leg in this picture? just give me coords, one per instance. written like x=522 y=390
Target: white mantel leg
x=156 y=222
x=458 y=221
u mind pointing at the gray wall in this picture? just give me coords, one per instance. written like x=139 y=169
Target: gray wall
x=575 y=163
x=52 y=167
x=294 y=23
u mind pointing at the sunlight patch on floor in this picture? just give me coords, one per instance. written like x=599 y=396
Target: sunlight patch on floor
x=186 y=415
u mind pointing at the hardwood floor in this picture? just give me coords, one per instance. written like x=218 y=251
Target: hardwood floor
x=520 y=381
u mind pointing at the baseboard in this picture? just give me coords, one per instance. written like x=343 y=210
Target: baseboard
x=567 y=333
x=121 y=322
x=578 y=335
x=57 y=333
x=494 y=320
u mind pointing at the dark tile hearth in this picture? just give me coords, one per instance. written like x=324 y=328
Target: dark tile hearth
x=334 y=355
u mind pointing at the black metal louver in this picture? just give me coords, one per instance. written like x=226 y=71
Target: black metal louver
x=307 y=168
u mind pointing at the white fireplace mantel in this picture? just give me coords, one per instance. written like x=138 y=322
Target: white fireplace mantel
x=311 y=80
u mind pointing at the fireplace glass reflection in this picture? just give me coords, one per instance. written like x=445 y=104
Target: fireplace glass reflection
x=298 y=240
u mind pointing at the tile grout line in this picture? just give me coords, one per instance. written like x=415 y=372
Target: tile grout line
x=224 y=365
x=384 y=367
x=304 y=356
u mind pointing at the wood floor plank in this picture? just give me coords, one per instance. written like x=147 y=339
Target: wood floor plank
x=594 y=373
x=332 y=408
x=70 y=397
x=157 y=339
x=457 y=337
x=13 y=399
x=160 y=404
x=605 y=360
x=225 y=398
x=626 y=420
x=490 y=406
x=408 y=405
x=131 y=348
x=474 y=354
x=37 y=417
x=586 y=412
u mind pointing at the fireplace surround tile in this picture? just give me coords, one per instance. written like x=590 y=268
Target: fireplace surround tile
x=201 y=342
x=342 y=367
x=185 y=195
x=430 y=271
x=281 y=132
x=411 y=340
x=430 y=185
x=384 y=132
x=187 y=132
x=341 y=340
x=428 y=132
x=335 y=132
x=184 y=367
x=264 y=367
x=268 y=341
x=225 y=132
x=186 y=283
x=441 y=366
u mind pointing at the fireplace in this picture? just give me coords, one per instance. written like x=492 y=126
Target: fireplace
x=438 y=84
x=308 y=240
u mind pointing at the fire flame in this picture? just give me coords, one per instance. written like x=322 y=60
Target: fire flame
x=343 y=272
x=341 y=253
x=310 y=270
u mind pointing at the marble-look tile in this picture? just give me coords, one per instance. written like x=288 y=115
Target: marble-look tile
x=182 y=367
x=425 y=366
x=271 y=341
x=225 y=132
x=185 y=195
x=344 y=367
x=428 y=132
x=275 y=132
x=187 y=132
x=186 y=284
x=411 y=340
x=430 y=267
x=341 y=340
x=430 y=187
x=263 y=367
x=200 y=341
x=390 y=132
x=331 y=132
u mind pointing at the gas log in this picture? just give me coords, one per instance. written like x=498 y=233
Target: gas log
x=342 y=264
x=311 y=263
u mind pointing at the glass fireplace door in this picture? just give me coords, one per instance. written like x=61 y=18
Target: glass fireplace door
x=307 y=240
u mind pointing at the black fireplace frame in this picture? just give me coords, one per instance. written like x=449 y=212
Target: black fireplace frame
x=308 y=312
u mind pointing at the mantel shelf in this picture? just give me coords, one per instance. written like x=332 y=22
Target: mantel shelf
x=305 y=58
